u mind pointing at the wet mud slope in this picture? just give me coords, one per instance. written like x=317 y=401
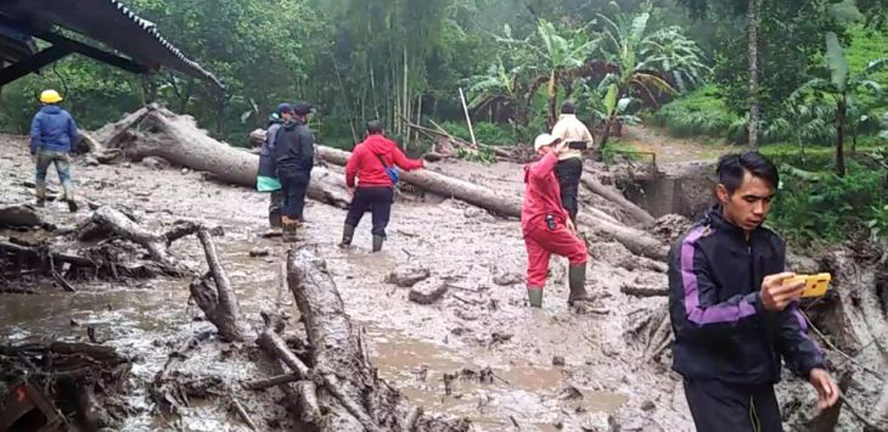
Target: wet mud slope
x=441 y=311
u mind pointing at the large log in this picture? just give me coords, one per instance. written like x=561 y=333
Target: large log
x=154 y=131
x=638 y=214
x=351 y=397
x=637 y=241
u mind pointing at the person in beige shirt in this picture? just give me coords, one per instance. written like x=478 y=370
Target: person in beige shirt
x=570 y=163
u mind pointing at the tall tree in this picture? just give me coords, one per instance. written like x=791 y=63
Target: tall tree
x=753 y=9
x=754 y=23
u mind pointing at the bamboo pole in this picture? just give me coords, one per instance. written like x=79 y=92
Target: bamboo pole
x=462 y=97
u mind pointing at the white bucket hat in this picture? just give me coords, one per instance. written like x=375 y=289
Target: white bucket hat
x=544 y=140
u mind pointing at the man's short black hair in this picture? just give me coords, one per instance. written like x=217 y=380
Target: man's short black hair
x=374 y=127
x=733 y=167
x=568 y=107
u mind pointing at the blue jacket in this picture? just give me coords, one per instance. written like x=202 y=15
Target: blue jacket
x=52 y=129
x=722 y=331
x=266 y=158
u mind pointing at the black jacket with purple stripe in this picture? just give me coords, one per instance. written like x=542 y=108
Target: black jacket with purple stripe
x=722 y=332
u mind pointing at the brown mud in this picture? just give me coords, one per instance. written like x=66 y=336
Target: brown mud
x=479 y=352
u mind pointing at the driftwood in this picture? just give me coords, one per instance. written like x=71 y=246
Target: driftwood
x=350 y=396
x=99 y=258
x=154 y=131
x=217 y=298
x=639 y=242
x=638 y=214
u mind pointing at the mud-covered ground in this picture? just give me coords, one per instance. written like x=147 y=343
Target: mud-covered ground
x=482 y=321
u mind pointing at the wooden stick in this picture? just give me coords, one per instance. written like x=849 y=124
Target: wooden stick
x=263 y=384
x=462 y=97
x=332 y=385
x=644 y=291
x=308 y=401
x=242 y=412
x=836 y=349
x=274 y=345
x=857 y=414
x=412 y=418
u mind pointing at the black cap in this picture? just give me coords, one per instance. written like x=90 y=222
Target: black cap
x=285 y=108
x=302 y=108
x=568 y=107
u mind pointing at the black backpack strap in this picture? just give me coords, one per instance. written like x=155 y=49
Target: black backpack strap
x=381 y=160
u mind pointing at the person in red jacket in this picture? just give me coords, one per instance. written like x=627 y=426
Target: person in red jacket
x=547 y=225
x=375 y=163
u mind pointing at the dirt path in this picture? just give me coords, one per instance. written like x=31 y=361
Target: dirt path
x=672 y=150
x=479 y=324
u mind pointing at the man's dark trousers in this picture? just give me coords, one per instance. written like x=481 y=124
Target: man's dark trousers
x=294 y=186
x=568 y=173
x=722 y=407
x=376 y=199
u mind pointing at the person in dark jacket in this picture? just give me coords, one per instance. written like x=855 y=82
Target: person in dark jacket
x=732 y=315
x=53 y=133
x=266 y=178
x=375 y=190
x=294 y=159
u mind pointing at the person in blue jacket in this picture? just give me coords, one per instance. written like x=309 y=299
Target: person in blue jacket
x=266 y=179
x=53 y=133
x=732 y=315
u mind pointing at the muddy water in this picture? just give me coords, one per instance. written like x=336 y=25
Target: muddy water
x=421 y=368
x=477 y=325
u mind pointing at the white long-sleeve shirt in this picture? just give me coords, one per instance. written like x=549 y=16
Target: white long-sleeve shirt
x=570 y=128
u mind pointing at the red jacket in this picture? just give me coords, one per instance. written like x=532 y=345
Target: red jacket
x=364 y=162
x=542 y=194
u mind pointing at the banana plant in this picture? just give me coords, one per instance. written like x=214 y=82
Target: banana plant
x=841 y=90
x=641 y=63
x=552 y=56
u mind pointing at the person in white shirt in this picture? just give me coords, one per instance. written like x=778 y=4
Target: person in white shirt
x=570 y=163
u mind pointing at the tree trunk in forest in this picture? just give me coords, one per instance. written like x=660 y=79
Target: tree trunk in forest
x=754 y=22
x=840 y=136
x=158 y=132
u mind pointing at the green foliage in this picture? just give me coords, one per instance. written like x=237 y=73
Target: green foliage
x=832 y=207
x=702 y=112
x=495 y=134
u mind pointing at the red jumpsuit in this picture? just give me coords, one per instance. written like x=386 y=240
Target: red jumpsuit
x=542 y=197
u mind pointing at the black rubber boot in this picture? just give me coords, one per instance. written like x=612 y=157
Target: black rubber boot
x=577 y=280
x=348 y=233
x=69 y=197
x=274 y=219
x=377 y=242
x=41 y=196
x=535 y=295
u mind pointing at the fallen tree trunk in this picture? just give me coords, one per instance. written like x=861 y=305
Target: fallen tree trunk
x=157 y=132
x=638 y=214
x=351 y=398
x=639 y=242
x=217 y=300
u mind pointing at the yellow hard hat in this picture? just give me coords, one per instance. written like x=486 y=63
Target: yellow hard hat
x=50 y=97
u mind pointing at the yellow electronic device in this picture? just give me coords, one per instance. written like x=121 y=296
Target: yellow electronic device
x=815 y=285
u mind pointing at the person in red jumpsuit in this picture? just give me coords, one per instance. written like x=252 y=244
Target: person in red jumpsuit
x=547 y=226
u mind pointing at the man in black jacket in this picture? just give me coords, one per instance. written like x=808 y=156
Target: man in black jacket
x=732 y=315
x=266 y=178
x=294 y=159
